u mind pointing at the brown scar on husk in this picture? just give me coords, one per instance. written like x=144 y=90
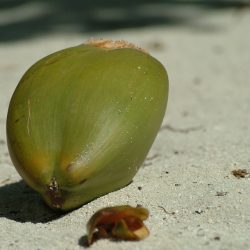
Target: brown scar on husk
x=55 y=194
x=110 y=44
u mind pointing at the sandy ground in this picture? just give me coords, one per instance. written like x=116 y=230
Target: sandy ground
x=186 y=182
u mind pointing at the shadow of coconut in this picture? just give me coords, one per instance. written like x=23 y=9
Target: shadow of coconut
x=20 y=203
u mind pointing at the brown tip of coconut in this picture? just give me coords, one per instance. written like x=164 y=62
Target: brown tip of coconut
x=110 y=44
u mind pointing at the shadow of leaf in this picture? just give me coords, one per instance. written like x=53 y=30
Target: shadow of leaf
x=20 y=203
x=83 y=241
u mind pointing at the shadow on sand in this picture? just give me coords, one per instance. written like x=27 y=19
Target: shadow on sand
x=20 y=203
x=21 y=19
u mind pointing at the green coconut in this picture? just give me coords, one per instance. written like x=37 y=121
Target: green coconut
x=82 y=120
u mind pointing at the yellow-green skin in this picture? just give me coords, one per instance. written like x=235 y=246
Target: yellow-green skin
x=82 y=120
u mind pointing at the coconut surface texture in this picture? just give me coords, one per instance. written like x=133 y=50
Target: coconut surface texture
x=82 y=120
